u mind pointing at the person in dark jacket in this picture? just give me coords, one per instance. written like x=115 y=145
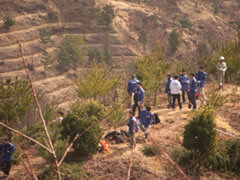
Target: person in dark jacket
x=184 y=80
x=138 y=98
x=132 y=127
x=201 y=78
x=132 y=86
x=168 y=91
x=6 y=151
x=192 y=91
x=145 y=118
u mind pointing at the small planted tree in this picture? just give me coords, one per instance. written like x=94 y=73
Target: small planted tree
x=8 y=22
x=200 y=134
x=97 y=82
x=81 y=117
x=70 y=52
x=15 y=101
x=174 y=41
x=95 y=54
x=105 y=16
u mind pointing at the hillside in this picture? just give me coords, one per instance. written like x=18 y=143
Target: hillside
x=136 y=30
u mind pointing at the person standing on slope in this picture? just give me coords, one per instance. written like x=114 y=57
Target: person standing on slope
x=132 y=127
x=184 y=80
x=167 y=90
x=132 y=86
x=175 y=88
x=6 y=151
x=145 y=121
x=138 y=98
x=192 y=92
x=201 y=78
x=221 y=68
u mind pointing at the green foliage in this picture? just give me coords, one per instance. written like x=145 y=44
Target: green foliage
x=116 y=118
x=234 y=96
x=107 y=50
x=200 y=134
x=216 y=99
x=150 y=150
x=95 y=54
x=186 y=23
x=45 y=37
x=105 y=16
x=70 y=171
x=99 y=81
x=174 y=41
x=70 y=52
x=15 y=100
x=81 y=117
x=8 y=21
x=143 y=37
x=151 y=69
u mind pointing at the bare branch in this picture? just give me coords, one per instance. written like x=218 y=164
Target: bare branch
x=25 y=136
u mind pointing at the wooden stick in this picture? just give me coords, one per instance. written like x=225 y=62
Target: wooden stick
x=25 y=136
x=40 y=111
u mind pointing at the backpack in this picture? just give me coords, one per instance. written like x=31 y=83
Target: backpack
x=156 y=119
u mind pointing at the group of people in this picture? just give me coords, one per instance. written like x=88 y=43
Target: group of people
x=177 y=88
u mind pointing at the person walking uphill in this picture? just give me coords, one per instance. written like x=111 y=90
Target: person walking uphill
x=138 y=98
x=201 y=78
x=132 y=127
x=175 y=88
x=167 y=90
x=146 y=119
x=221 y=68
x=6 y=151
x=132 y=86
x=192 y=91
x=184 y=80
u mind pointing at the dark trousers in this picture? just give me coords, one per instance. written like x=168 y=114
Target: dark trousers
x=192 y=99
x=136 y=105
x=176 y=96
x=5 y=167
x=145 y=130
x=169 y=100
x=183 y=95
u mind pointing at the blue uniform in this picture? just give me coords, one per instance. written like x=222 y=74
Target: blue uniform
x=6 y=151
x=139 y=95
x=167 y=89
x=202 y=77
x=130 y=125
x=132 y=85
x=145 y=118
x=193 y=86
x=184 y=81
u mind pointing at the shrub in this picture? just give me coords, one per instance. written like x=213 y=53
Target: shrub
x=216 y=99
x=99 y=81
x=174 y=41
x=200 y=134
x=70 y=53
x=150 y=150
x=186 y=23
x=81 y=117
x=116 y=118
x=95 y=54
x=8 y=21
x=105 y=16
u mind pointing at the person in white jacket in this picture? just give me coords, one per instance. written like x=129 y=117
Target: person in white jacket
x=221 y=68
x=175 y=88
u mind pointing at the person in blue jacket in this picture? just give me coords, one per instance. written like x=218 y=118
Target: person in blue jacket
x=132 y=85
x=138 y=98
x=6 y=151
x=132 y=127
x=145 y=121
x=201 y=78
x=184 y=80
x=192 y=92
x=168 y=91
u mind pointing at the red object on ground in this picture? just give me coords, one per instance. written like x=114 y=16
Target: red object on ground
x=105 y=145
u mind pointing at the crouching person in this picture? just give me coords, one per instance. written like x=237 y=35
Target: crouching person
x=145 y=118
x=133 y=128
x=6 y=149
